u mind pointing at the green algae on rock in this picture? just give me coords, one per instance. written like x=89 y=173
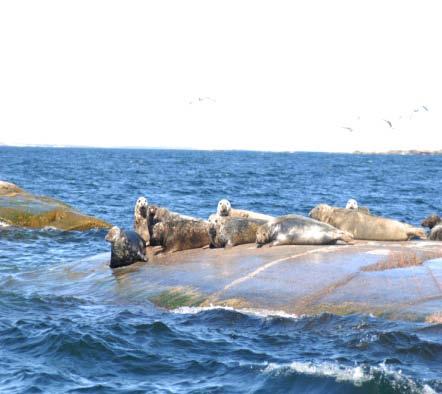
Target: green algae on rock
x=22 y=209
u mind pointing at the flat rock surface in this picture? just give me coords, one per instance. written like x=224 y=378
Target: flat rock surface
x=397 y=280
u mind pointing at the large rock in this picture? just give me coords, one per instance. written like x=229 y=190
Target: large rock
x=395 y=280
x=22 y=209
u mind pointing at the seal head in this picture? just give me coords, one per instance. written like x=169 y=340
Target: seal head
x=431 y=221
x=351 y=204
x=224 y=207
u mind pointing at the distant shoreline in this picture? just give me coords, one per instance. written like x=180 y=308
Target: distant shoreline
x=398 y=152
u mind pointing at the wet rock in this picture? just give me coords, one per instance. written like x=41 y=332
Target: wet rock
x=22 y=209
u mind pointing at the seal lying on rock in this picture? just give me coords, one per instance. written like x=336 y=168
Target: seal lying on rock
x=181 y=234
x=227 y=231
x=353 y=204
x=162 y=215
x=363 y=226
x=225 y=209
x=434 y=223
x=141 y=219
x=127 y=247
x=299 y=230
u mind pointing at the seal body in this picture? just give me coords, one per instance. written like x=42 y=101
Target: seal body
x=434 y=223
x=158 y=214
x=363 y=226
x=141 y=219
x=181 y=234
x=224 y=208
x=228 y=231
x=353 y=204
x=299 y=230
x=127 y=247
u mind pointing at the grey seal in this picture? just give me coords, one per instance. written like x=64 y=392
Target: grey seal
x=127 y=247
x=228 y=232
x=158 y=214
x=434 y=223
x=224 y=208
x=353 y=204
x=299 y=230
x=364 y=226
x=141 y=219
x=181 y=234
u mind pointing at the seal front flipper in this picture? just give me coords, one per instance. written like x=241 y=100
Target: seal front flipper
x=416 y=233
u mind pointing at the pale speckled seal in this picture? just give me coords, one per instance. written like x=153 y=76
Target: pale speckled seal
x=227 y=231
x=353 y=204
x=127 y=247
x=299 y=230
x=225 y=209
x=181 y=234
x=141 y=219
x=434 y=223
x=364 y=226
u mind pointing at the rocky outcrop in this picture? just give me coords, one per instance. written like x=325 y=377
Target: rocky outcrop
x=22 y=209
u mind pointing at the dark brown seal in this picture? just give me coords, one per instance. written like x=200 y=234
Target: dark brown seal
x=181 y=234
x=434 y=223
x=127 y=247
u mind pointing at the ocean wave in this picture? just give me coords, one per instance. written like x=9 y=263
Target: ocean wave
x=263 y=313
x=357 y=375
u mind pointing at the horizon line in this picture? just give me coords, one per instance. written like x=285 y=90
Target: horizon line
x=389 y=151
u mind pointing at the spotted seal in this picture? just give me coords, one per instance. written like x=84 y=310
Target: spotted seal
x=228 y=231
x=141 y=219
x=434 y=223
x=127 y=247
x=224 y=208
x=181 y=234
x=299 y=230
x=364 y=226
x=158 y=214
x=353 y=204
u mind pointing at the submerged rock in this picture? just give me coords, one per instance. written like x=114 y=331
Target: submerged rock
x=22 y=209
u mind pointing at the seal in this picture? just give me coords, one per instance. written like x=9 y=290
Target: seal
x=225 y=209
x=434 y=223
x=226 y=232
x=181 y=234
x=158 y=214
x=141 y=219
x=299 y=230
x=127 y=247
x=353 y=204
x=365 y=227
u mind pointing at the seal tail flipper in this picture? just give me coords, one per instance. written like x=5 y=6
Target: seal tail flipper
x=414 y=232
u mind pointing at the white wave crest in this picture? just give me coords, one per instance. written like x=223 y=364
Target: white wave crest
x=4 y=224
x=356 y=375
x=193 y=310
x=49 y=228
x=333 y=370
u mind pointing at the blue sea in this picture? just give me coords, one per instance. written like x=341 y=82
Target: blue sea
x=67 y=333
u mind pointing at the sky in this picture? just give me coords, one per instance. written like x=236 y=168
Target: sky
x=260 y=75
